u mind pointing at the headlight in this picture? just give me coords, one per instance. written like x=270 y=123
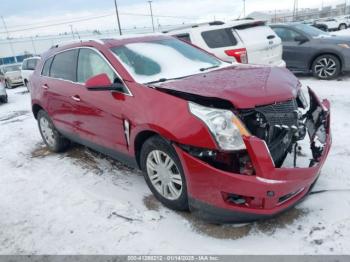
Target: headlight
x=302 y=99
x=344 y=45
x=226 y=128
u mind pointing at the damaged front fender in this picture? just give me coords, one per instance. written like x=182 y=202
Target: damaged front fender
x=318 y=125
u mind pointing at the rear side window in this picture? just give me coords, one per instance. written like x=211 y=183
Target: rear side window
x=46 y=68
x=64 y=65
x=31 y=64
x=219 y=38
x=184 y=37
x=24 y=65
x=286 y=34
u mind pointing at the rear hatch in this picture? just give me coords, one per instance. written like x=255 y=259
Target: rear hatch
x=262 y=44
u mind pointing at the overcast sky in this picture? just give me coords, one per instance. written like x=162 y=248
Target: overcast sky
x=25 y=14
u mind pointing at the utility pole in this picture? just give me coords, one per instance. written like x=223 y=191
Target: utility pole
x=31 y=38
x=150 y=8
x=345 y=7
x=243 y=8
x=9 y=38
x=71 y=29
x=295 y=10
x=117 y=13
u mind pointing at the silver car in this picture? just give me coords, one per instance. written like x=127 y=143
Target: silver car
x=11 y=75
x=3 y=94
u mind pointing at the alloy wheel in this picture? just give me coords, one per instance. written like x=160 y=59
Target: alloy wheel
x=47 y=131
x=164 y=174
x=325 y=67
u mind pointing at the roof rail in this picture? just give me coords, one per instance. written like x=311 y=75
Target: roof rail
x=76 y=41
x=213 y=23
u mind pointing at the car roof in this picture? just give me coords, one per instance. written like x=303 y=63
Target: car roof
x=14 y=64
x=107 y=42
x=32 y=57
x=216 y=25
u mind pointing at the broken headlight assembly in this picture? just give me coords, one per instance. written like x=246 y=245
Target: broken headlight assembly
x=225 y=127
x=301 y=98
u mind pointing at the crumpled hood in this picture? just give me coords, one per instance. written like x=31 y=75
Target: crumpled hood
x=244 y=86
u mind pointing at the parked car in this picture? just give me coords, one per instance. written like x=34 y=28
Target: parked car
x=243 y=41
x=209 y=136
x=3 y=94
x=28 y=67
x=307 y=49
x=333 y=24
x=11 y=75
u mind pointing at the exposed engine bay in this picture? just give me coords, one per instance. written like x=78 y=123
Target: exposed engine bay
x=281 y=125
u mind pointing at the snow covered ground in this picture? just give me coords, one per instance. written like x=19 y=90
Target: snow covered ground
x=81 y=202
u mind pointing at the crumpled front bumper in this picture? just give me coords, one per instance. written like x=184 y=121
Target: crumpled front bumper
x=269 y=192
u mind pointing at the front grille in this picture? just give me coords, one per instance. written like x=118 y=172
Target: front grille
x=280 y=113
x=273 y=123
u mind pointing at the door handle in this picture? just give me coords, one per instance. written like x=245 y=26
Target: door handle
x=45 y=86
x=76 y=98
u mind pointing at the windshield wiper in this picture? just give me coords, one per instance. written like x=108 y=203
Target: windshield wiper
x=160 y=80
x=207 y=68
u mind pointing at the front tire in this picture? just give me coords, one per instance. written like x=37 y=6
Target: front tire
x=8 y=85
x=52 y=138
x=163 y=173
x=326 y=67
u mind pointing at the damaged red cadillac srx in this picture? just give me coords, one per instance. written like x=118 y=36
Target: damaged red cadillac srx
x=222 y=140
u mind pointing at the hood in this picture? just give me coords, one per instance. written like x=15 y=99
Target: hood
x=244 y=86
x=13 y=74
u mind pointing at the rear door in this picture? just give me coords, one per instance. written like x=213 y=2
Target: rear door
x=59 y=85
x=262 y=44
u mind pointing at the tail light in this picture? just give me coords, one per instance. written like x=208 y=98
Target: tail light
x=239 y=54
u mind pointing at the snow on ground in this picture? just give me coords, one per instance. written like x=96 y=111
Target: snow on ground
x=81 y=202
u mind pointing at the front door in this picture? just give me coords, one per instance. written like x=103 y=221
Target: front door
x=98 y=114
x=296 y=54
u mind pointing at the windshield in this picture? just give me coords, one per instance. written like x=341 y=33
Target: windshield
x=311 y=31
x=164 y=59
x=11 y=68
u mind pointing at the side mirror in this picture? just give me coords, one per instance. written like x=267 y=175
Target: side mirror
x=102 y=83
x=301 y=39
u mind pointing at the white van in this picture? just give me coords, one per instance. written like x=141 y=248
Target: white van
x=244 y=41
x=28 y=67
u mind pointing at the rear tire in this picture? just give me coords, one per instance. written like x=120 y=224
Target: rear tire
x=163 y=173
x=326 y=67
x=52 y=138
x=342 y=26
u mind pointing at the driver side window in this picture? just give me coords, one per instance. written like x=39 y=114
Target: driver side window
x=286 y=35
x=91 y=64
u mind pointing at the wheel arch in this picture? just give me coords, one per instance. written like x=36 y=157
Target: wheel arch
x=140 y=139
x=35 y=109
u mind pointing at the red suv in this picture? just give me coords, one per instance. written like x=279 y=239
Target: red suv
x=210 y=136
